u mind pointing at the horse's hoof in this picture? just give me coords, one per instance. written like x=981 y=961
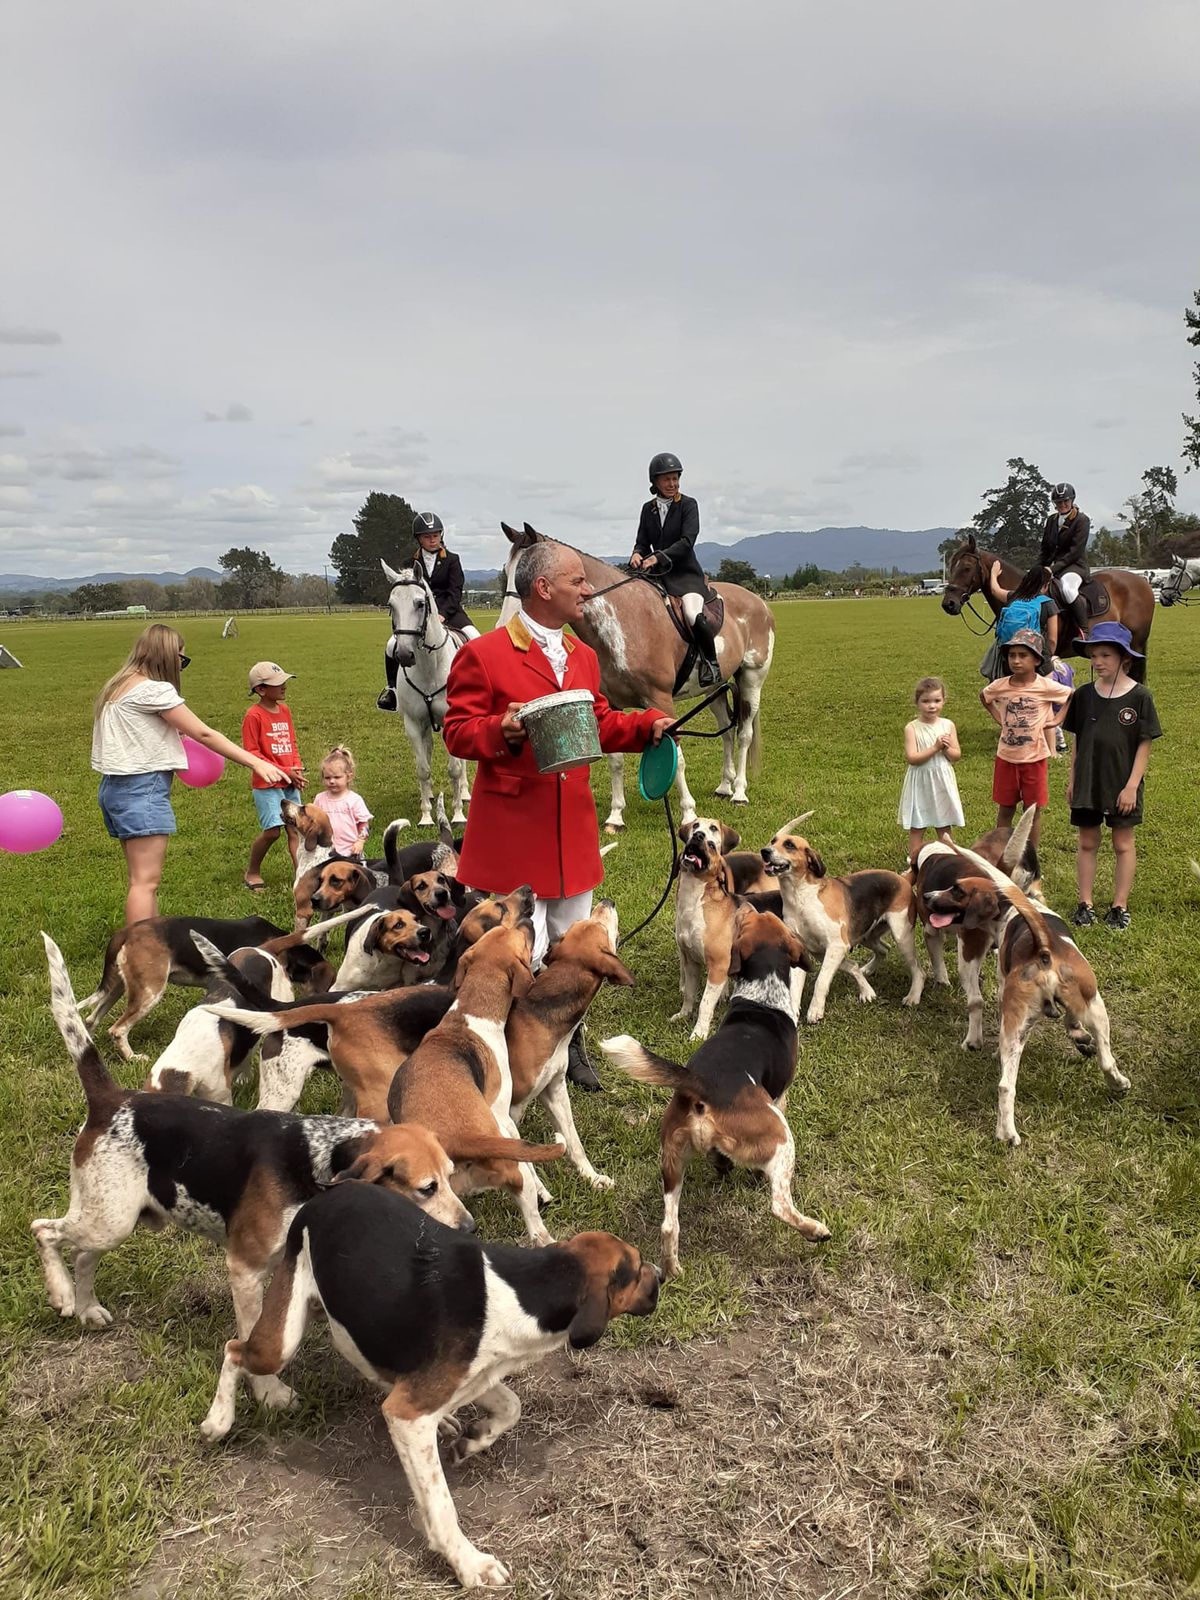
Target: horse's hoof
x=740 y=800
x=723 y=790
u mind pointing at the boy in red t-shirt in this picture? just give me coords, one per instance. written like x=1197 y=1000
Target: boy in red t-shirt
x=268 y=731
x=1025 y=706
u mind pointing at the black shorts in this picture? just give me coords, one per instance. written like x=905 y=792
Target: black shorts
x=1081 y=818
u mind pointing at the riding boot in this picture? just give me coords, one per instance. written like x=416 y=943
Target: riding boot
x=1078 y=615
x=708 y=673
x=387 y=700
x=579 y=1069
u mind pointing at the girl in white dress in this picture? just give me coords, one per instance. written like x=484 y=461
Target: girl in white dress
x=929 y=798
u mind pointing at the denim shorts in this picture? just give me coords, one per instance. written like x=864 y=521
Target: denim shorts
x=137 y=805
x=269 y=805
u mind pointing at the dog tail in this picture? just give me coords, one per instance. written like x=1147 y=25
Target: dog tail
x=625 y=1052
x=391 y=835
x=266 y=1021
x=445 y=831
x=1020 y=857
x=100 y=1088
x=1034 y=921
x=104 y=998
x=320 y=929
x=483 y=1147
x=220 y=966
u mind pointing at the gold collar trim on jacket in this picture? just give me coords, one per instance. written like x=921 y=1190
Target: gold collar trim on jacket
x=522 y=638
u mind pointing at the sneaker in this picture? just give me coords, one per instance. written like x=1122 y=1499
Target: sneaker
x=1118 y=919
x=1085 y=916
x=1060 y=743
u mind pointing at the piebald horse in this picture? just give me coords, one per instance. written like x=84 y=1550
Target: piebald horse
x=1130 y=597
x=425 y=647
x=640 y=653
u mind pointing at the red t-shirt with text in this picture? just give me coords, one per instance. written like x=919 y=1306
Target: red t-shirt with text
x=268 y=732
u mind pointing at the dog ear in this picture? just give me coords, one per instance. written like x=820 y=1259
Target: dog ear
x=615 y=971
x=797 y=954
x=553 y=952
x=815 y=865
x=684 y=831
x=371 y=937
x=366 y=1168
x=725 y=877
x=985 y=907
x=735 y=960
x=464 y=966
x=521 y=974
x=729 y=839
x=591 y=1319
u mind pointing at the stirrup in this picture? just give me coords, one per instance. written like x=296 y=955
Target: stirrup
x=708 y=673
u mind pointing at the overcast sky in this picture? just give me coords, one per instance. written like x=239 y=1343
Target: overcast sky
x=844 y=260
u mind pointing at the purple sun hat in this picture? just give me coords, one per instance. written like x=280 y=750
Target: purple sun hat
x=1115 y=633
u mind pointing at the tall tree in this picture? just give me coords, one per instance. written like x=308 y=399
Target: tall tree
x=1191 y=425
x=1011 y=520
x=98 y=597
x=253 y=580
x=1149 y=515
x=382 y=531
x=734 y=571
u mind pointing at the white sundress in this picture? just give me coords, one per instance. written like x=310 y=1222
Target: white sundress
x=929 y=798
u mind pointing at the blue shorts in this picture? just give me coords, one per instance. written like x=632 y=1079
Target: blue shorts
x=137 y=805
x=269 y=805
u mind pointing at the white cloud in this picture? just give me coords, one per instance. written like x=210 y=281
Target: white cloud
x=11 y=430
x=236 y=412
x=29 y=336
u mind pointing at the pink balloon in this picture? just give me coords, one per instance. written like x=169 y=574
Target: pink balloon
x=29 y=820
x=204 y=766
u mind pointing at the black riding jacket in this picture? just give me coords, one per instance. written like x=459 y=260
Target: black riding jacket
x=675 y=538
x=446 y=580
x=1065 y=549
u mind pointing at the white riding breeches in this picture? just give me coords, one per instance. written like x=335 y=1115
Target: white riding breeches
x=470 y=631
x=552 y=918
x=693 y=605
x=1070 y=583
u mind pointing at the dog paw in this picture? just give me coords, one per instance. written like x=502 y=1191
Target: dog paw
x=815 y=1015
x=698 y=1033
x=911 y=999
x=449 y=1429
x=217 y=1423
x=601 y=1180
x=1120 y=1083
x=971 y=1044
x=679 y=1016
x=95 y=1316
x=276 y=1395
x=1008 y=1136
x=477 y=1570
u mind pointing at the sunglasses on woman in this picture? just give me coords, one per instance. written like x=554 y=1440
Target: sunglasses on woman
x=184 y=661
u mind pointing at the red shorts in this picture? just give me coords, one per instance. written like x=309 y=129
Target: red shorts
x=1020 y=780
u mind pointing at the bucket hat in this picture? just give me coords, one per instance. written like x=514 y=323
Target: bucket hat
x=1112 y=633
x=1029 y=640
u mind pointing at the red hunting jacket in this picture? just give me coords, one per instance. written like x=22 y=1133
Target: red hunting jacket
x=524 y=827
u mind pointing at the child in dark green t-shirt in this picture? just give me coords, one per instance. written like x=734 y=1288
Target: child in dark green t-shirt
x=1114 y=721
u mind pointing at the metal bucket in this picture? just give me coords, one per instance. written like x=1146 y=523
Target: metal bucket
x=562 y=730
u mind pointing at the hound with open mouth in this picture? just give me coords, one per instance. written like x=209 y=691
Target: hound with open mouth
x=834 y=915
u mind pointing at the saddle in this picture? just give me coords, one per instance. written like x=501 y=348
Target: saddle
x=1093 y=594
x=713 y=613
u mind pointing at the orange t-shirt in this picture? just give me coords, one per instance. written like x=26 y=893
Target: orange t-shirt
x=268 y=731
x=1025 y=709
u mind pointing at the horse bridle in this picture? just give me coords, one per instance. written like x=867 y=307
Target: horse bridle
x=632 y=577
x=419 y=635
x=966 y=605
x=1173 y=587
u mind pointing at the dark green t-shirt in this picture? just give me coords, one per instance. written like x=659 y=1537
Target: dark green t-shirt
x=1108 y=730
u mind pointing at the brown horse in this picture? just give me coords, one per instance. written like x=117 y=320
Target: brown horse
x=641 y=653
x=1130 y=597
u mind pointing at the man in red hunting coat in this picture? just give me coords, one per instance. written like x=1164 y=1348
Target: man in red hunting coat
x=523 y=826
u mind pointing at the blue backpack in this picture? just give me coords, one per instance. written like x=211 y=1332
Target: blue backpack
x=1019 y=614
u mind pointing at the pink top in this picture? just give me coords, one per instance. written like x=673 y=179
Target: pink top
x=348 y=818
x=1025 y=709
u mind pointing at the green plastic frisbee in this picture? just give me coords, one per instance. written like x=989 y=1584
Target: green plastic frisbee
x=657 y=768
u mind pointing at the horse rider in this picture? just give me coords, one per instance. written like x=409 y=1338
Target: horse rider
x=665 y=550
x=1064 y=553
x=444 y=573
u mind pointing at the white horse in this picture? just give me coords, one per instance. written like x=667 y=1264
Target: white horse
x=1184 y=575
x=425 y=647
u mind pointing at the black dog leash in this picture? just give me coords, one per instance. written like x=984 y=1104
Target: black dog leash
x=728 y=691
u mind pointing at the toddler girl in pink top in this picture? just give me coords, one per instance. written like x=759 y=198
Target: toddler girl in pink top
x=347 y=812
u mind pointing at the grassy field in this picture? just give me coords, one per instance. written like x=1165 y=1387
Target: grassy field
x=985 y=1385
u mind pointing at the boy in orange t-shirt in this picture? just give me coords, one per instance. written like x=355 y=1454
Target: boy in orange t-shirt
x=268 y=731
x=1025 y=706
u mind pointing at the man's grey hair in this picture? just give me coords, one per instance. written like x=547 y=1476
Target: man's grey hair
x=540 y=560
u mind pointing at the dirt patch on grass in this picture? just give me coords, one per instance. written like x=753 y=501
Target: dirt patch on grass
x=802 y=1455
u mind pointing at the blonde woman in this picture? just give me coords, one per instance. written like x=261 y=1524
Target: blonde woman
x=137 y=747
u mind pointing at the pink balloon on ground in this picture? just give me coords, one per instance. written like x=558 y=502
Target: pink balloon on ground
x=204 y=766
x=29 y=820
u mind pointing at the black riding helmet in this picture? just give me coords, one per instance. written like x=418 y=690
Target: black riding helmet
x=426 y=522
x=664 y=462
x=1063 y=491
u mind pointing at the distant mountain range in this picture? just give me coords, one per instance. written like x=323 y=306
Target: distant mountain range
x=777 y=554
x=24 y=582
x=770 y=554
